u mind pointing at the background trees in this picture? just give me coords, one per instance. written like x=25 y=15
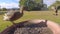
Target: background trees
x=31 y=4
x=4 y=9
x=57 y=4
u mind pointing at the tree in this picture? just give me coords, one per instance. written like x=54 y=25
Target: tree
x=0 y=8
x=4 y=9
x=30 y=4
x=57 y=3
x=21 y=4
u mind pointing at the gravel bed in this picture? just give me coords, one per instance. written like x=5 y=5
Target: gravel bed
x=36 y=30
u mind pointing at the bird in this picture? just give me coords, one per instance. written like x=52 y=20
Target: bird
x=13 y=15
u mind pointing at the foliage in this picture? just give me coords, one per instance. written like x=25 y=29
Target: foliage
x=31 y=4
x=57 y=3
x=0 y=9
x=22 y=2
x=4 y=9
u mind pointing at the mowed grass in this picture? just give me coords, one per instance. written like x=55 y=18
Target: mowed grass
x=47 y=15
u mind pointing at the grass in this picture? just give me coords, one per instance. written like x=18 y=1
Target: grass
x=49 y=15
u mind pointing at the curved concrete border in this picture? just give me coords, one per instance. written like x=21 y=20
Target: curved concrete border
x=54 y=27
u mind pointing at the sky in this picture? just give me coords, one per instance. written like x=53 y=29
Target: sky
x=49 y=2
x=9 y=3
x=15 y=3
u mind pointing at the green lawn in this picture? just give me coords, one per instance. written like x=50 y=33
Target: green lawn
x=49 y=15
